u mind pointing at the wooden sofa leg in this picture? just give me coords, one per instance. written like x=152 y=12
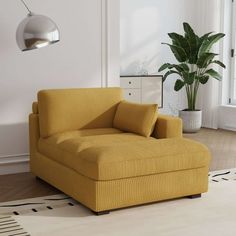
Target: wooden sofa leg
x=37 y=178
x=195 y=196
x=100 y=213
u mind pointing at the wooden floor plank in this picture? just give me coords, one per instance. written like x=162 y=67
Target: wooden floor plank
x=222 y=145
x=23 y=185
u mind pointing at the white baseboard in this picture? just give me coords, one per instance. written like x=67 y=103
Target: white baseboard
x=229 y=127
x=13 y=164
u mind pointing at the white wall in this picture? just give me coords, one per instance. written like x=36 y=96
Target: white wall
x=227 y=117
x=85 y=57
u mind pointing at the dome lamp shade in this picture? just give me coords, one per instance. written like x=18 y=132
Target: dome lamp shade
x=36 y=31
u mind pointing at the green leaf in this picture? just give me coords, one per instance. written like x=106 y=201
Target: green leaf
x=180 y=68
x=164 y=66
x=192 y=39
x=203 y=79
x=180 y=41
x=170 y=73
x=214 y=74
x=189 y=32
x=219 y=63
x=201 y=39
x=189 y=77
x=179 y=53
x=179 y=84
x=184 y=67
x=205 y=59
x=205 y=36
x=209 y=42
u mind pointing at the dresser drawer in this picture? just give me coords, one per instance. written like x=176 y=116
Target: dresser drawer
x=127 y=82
x=132 y=95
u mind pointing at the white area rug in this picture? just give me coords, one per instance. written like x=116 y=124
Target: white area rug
x=213 y=214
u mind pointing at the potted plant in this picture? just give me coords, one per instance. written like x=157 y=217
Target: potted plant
x=195 y=59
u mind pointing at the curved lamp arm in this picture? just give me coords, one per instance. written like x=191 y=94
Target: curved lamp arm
x=23 y=2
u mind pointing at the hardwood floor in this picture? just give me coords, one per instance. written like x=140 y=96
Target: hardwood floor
x=23 y=185
x=221 y=143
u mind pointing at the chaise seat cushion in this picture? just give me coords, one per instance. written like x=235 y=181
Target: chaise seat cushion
x=66 y=147
x=123 y=155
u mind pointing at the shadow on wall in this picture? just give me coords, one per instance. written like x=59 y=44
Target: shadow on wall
x=139 y=40
x=139 y=67
x=144 y=25
x=13 y=139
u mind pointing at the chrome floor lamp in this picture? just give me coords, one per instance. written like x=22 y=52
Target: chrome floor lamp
x=36 y=31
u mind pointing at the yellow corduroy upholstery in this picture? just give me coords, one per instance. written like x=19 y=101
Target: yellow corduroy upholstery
x=114 y=194
x=71 y=135
x=72 y=109
x=103 y=167
x=33 y=133
x=168 y=127
x=35 y=109
x=136 y=118
x=116 y=156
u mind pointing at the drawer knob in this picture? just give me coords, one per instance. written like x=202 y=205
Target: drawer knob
x=129 y=94
x=129 y=82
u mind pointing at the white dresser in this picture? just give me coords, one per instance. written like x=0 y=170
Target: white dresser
x=143 y=89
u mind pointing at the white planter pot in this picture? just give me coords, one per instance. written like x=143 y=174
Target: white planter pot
x=192 y=121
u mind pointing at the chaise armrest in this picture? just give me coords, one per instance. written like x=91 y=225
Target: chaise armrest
x=168 y=127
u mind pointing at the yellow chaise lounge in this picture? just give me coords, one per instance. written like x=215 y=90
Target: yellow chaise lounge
x=75 y=145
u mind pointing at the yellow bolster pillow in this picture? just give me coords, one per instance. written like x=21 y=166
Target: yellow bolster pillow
x=136 y=118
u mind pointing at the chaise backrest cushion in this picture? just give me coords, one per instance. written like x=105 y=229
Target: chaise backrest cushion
x=73 y=109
